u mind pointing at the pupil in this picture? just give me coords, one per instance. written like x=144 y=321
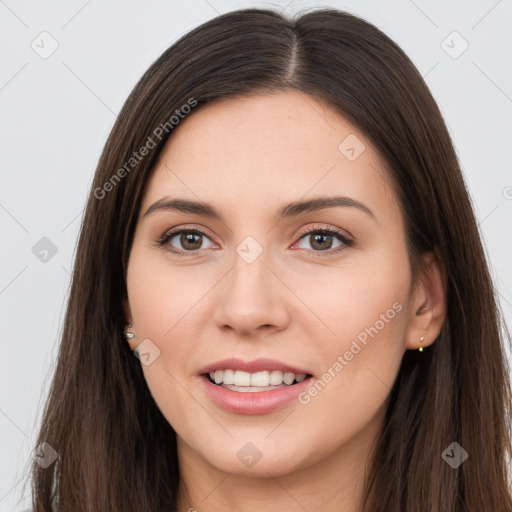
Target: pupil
x=319 y=236
x=189 y=238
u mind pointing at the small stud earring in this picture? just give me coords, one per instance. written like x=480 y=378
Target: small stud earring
x=127 y=334
x=421 y=341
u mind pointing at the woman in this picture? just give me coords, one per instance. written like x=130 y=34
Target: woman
x=279 y=230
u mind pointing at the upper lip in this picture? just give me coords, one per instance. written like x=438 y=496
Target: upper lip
x=257 y=365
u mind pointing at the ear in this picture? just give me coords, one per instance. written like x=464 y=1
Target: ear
x=428 y=306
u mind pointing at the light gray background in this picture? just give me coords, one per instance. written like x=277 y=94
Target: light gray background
x=56 y=114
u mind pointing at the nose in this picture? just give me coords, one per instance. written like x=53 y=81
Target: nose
x=252 y=298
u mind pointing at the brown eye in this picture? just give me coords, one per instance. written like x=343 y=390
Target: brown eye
x=190 y=241
x=184 y=241
x=321 y=240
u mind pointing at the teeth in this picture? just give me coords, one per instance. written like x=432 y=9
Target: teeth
x=258 y=379
x=228 y=377
x=276 y=377
x=240 y=378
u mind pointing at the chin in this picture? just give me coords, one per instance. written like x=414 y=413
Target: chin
x=246 y=458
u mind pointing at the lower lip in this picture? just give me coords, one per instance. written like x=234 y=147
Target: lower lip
x=258 y=402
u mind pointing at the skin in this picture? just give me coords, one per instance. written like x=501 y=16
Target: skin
x=248 y=156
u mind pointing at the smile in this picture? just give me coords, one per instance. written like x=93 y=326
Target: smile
x=253 y=399
x=241 y=381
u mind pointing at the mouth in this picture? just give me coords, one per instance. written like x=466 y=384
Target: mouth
x=263 y=391
x=245 y=382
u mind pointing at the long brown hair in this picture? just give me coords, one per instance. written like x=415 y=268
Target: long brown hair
x=116 y=450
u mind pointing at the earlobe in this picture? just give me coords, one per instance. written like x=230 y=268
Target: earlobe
x=428 y=309
x=129 y=335
x=128 y=331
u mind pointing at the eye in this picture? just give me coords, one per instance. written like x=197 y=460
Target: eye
x=189 y=241
x=321 y=240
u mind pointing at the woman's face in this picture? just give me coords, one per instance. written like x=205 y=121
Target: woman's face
x=257 y=282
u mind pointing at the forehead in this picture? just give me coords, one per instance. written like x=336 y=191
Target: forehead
x=262 y=150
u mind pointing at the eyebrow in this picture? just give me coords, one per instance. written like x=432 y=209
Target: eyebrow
x=292 y=209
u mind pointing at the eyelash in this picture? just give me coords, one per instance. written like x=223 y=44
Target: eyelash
x=348 y=242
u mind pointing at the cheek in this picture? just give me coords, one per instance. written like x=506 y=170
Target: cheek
x=162 y=305
x=161 y=298
x=363 y=300
x=359 y=363
x=365 y=308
